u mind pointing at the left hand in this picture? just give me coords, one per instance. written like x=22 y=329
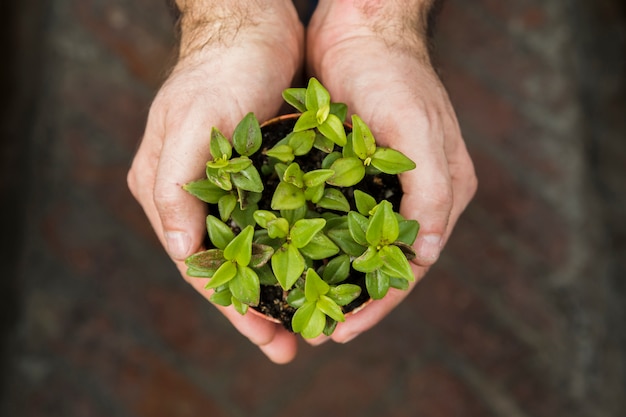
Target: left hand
x=379 y=66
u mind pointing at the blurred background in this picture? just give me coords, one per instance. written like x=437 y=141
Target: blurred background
x=522 y=317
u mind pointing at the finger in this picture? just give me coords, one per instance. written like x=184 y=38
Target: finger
x=427 y=189
x=275 y=341
x=373 y=313
x=183 y=158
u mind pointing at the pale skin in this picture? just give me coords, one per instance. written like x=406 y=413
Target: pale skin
x=238 y=57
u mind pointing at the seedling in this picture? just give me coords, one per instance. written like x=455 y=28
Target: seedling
x=307 y=231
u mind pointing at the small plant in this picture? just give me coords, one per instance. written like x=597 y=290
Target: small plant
x=294 y=215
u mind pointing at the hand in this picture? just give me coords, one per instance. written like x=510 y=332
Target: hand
x=234 y=59
x=375 y=59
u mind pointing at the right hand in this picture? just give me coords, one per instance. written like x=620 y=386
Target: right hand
x=233 y=60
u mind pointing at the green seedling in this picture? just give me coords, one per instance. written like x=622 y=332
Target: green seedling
x=315 y=230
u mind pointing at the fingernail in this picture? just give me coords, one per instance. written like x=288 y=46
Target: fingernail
x=429 y=247
x=178 y=244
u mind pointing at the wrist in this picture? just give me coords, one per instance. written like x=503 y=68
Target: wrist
x=395 y=22
x=217 y=25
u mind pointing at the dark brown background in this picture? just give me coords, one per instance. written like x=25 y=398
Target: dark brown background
x=523 y=316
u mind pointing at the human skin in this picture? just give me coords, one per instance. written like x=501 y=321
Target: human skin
x=229 y=50
x=373 y=56
x=235 y=57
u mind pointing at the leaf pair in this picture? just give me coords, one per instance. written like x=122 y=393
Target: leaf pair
x=297 y=241
x=360 y=152
x=385 y=258
x=321 y=308
x=229 y=266
x=226 y=171
x=318 y=113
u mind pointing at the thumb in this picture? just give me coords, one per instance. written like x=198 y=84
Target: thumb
x=182 y=216
x=428 y=193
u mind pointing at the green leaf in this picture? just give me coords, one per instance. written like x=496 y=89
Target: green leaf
x=344 y=294
x=363 y=141
x=395 y=263
x=263 y=217
x=278 y=228
x=408 y=231
x=314 y=286
x=399 y=283
x=247 y=199
x=337 y=269
x=377 y=284
x=208 y=260
x=317 y=96
x=224 y=273
x=308 y=321
x=330 y=326
x=247 y=135
x=306 y=121
x=261 y=254
x=383 y=227
x=328 y=306
x=320 y=247
x=364 y=202
x=333 y=199
x=287 y=197
x=240 y=248
x=301 y=142
x=333 y=129
x=293 y=175
x=369 y=261
x=343 y=239
x=240 y=307
x=317 y=177
x=348 y=172
x=314 y=193
x=323 y=143
x=220 y=233
x=205 y=190
x=248 y=179
x=391 y=161
x=330 y=159
x=221 y=297
x=322 y=114
x=348 y=151
x=219 y=146
x=200 y=273
x=340 y=110
x=217 y=163
x=219 y=178
x=303 y=231
x=245 y=286
x=245 y=217
x=283 y=153
x=266 y=276
x=296 y=97
x=296 y=298
x=226 y=205
x=237 y=165
x=287 y=265
x=294 y=215
x=357 y=223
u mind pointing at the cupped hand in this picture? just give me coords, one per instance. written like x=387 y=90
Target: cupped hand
x=377 y=62
x=233 y=60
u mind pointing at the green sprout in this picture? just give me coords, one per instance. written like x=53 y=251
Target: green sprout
x=315 y=235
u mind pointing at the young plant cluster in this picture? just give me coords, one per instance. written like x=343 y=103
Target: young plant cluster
x=318 y=228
